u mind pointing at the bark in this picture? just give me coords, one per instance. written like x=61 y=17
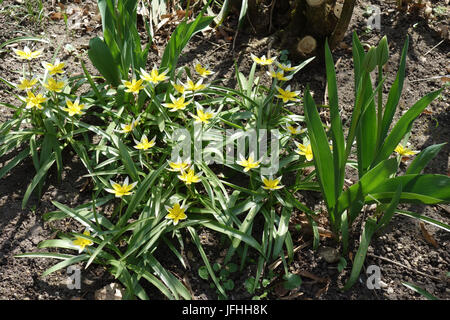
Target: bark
x=342 y=24
x=303 y=25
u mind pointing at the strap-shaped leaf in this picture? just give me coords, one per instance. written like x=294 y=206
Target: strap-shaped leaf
x=323 y=158
x=422 y=188
x=337 y=133
x=372 y=179
x=369 y=229
x=403 y=126
x=422 y=159
x=394 y=95
x=101 y=57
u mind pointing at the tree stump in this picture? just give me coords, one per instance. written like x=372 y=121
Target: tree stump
x=301 y=25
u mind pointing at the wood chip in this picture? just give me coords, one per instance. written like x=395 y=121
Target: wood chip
x=427 y=236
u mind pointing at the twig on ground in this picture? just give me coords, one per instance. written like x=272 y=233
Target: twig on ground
x=406 y=267
x=274 y=265
x=433 y=48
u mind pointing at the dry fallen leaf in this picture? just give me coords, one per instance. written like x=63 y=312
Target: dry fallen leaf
x=428 y=237
x=427 y=111
x=56 y=16
x=323 y=290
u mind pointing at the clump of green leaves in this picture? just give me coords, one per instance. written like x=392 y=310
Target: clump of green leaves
x=371 y=123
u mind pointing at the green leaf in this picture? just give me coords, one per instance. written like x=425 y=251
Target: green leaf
x=203 y=272
x=419 y=290
x=232 y=267
x=394 y=95
x=216 y=267
x=337 y=133
x=233 y=233
x=403 y=126
x=196 y=241
x=75 y=215
x=101 y=57
x=141 y=191
x=243 y=12
x=282 y=231
x=38 y=178
x=370 y=60
x=369 y=229
x=389 y=212
x=323 y=159
x=422 y=159
x=152 y=279
x=228 y=285
x=245 y=226
x=423 y=218
x=416 y=188
x=382 y=52
x=45 y=255
x=342 y=264
x=15 y=161
x=65 y=263
x=292 y=281
x=372 y=179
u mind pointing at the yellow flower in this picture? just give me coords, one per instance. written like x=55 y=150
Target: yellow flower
x=404 y=151
x=144 y=144
x=263 y=60
x=179 y=165
x=133 y=86
x=294 y=130
x=176 y=213
x=189 y=177
x=26 y=84
x=34 y=101
x=304 y=150
x=54 y=68
x=177 y=104
x=129 y=126
x=179 y=86
x=54 y=85
x=82 y=242
x=203 y=72
x=121 y=189
x=191 y=86
x=284 y=67
x=154 y=77
x=279 y=75
x=272 y=184
x=27 y=54
x=249 y=163
x=287 y=95
x=203 y=116
x=74 y=108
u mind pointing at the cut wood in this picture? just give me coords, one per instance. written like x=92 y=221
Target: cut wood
x=315 y=3
x=307 y=45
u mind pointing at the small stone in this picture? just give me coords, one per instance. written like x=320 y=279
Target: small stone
x=383 y=284
x=112 y=291
x=330 y=255
x=390 y=290
x=399 y=246
x=388 y=249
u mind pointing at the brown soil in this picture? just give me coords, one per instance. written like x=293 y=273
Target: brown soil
x=401 y=242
